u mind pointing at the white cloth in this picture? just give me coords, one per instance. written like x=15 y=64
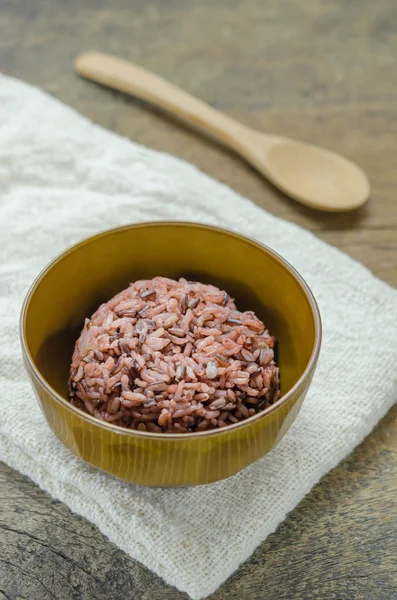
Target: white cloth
x=63 y=178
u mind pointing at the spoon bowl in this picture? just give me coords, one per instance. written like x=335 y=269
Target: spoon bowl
x=311 y=175
x=314 y=176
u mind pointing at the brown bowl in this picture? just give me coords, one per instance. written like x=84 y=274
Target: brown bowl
x=72 y=286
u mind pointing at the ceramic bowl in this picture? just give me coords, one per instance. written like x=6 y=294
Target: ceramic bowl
x=73 y=285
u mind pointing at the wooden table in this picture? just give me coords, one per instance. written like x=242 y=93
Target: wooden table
x=317 y=70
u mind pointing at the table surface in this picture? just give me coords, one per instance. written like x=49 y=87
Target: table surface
x=317 y=70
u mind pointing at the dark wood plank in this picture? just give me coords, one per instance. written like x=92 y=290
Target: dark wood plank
x=320 y=71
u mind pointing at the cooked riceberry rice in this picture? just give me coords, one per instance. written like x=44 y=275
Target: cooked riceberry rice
x=174 y=357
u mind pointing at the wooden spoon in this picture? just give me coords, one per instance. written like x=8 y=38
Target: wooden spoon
x=316 y=177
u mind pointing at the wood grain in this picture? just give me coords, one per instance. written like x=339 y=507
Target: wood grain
x=320 y=71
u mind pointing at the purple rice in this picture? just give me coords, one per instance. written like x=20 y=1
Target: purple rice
x=173 y=357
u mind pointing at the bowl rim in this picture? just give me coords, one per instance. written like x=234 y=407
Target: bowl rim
x=180 y=436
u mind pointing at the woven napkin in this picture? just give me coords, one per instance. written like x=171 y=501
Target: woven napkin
x=63 y=178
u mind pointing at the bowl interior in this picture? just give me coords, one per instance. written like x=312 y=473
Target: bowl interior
x=76 y=283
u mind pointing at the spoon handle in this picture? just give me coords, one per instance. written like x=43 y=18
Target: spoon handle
x=126 y=77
